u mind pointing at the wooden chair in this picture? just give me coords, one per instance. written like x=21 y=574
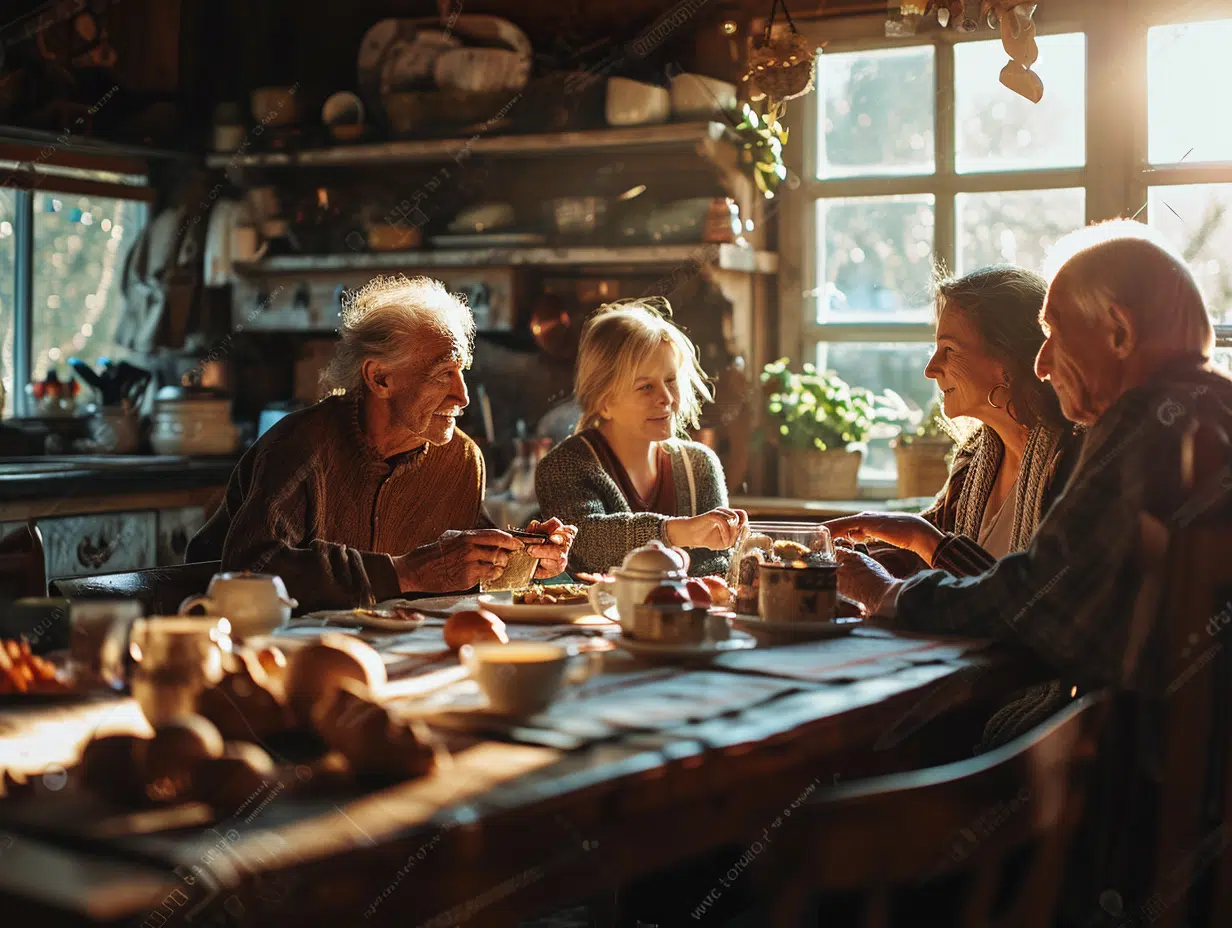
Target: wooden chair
x=23 y=568
x=978 y=843
x=160 y=590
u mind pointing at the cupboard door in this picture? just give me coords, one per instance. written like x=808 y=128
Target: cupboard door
x=99 y=544
x=175 y=528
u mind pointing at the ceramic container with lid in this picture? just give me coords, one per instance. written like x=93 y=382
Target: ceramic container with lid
x=642 y=570
x=192 y=420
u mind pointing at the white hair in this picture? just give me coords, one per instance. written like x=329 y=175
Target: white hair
x=1128 y=264
x=387 y=320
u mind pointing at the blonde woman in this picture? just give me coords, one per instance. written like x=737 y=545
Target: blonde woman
x=625 y=476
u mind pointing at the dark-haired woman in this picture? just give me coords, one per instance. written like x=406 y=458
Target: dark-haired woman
x=1006 y=474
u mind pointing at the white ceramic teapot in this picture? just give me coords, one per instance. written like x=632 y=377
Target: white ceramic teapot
x=254 y=604
x=643 y=569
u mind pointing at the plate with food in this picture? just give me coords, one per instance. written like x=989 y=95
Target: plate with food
x=386 y=618
x=27 y=678
x=559 y=602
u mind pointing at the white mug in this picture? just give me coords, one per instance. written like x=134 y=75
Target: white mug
x=255 y=604
x=630 y=587
x=523 y=677
x=174 y=658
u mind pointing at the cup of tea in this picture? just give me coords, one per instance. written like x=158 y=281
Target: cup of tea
x=174 y=658
x=523 y=677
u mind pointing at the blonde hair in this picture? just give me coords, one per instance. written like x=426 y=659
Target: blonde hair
x=1128 y=264
x=387 y=320
x=618 y=339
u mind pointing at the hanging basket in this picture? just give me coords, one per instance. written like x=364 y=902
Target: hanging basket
x=782 y=67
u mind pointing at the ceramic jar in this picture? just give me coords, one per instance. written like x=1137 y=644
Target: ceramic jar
x=192 y=420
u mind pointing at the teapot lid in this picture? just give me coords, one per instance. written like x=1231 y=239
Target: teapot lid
x=654 y=557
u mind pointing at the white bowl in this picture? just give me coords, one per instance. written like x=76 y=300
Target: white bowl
x=632 y=103
x=695 y=96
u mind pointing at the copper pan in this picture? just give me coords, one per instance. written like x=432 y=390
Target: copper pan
x=555 y=325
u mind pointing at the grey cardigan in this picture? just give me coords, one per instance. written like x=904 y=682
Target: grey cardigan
x=572 y=485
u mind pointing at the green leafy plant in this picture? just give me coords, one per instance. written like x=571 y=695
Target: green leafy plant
x=763 y=139
x=933 y=427
x=821 y=411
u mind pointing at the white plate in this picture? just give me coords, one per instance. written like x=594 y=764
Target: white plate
x=792 y=632
x=672 y=651
x=502 y=605
x=346 y=618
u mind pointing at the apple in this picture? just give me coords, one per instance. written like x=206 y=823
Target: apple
x=720 y=592
x=667 y=594
x=699 y=592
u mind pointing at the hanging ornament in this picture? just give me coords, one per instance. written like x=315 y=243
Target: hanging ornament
x=1018 y=40
x=781 y=67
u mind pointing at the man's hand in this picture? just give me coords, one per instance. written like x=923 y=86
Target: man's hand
x=554 y=556
x=901 y=529
x=861 y=578
x=456 y=561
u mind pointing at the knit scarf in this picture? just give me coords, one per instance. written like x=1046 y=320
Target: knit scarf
x=1037 y=459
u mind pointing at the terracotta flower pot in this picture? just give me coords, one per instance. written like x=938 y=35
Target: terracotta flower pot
x=832 y=474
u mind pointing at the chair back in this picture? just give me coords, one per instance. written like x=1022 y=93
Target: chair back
x=23 y=568
x=975 y=844
x=160 y=590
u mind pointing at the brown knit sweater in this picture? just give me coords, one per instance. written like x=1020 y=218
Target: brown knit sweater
x=314 y=503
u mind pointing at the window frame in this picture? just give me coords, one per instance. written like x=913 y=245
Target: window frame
x=1116 y=142
x=62 y=172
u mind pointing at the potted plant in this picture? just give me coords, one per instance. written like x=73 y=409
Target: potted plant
x=923 y=454
x=821 y=423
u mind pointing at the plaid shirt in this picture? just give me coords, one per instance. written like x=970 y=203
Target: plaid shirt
x=1068 y=598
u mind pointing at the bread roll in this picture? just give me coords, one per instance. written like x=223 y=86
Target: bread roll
x=473 y=627
x=315 y=671
x=236 y=783
x=112 y=767
x=172 y=756
x=243 y=707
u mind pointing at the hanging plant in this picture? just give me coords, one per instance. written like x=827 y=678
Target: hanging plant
x=781 y=67
x=763 y=139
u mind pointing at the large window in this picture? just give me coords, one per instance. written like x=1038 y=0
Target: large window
x=918 y=172
x=918 y=161
x=75 y=225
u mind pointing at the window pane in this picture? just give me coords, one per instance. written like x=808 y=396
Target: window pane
x=8 y=314
x=878 y=112
x=80 y=243
x=1223 y=360
x=875 y=259
x=1014 y=227
x=1198 y=220
x=879 y=366
x=996 y=129
x=1188 y=68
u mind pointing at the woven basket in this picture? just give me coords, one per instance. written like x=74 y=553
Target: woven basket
x=783 y=68
x=923 y=466
x=831 y=474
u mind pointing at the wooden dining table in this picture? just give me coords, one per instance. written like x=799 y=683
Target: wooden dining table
x=638 y=768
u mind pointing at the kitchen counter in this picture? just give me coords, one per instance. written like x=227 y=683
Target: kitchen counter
x=766 y=507
x=36 y=486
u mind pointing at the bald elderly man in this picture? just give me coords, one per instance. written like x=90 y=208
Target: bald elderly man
x=1127 y=349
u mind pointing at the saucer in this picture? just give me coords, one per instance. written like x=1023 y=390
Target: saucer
x=793 y=632
x=670 y=651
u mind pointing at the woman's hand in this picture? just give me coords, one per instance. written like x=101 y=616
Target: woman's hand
x=862 y=579
x=553 y=556
x=901 y=529
x=717 y=529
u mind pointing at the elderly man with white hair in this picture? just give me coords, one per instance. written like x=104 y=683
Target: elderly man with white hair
x=1127 y=349
x=373 y=492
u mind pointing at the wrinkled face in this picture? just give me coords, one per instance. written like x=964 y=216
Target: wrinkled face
x=427 y=393
x=647 y=407
x=1072 y=359
x=962 y=368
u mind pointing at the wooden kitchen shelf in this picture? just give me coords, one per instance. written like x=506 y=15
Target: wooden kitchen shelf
x=699 y=135
x=726 y=257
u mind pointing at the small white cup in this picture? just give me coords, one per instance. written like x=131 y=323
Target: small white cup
x=523 y=677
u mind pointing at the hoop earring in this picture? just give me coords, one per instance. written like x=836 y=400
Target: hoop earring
x=1006 y=387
